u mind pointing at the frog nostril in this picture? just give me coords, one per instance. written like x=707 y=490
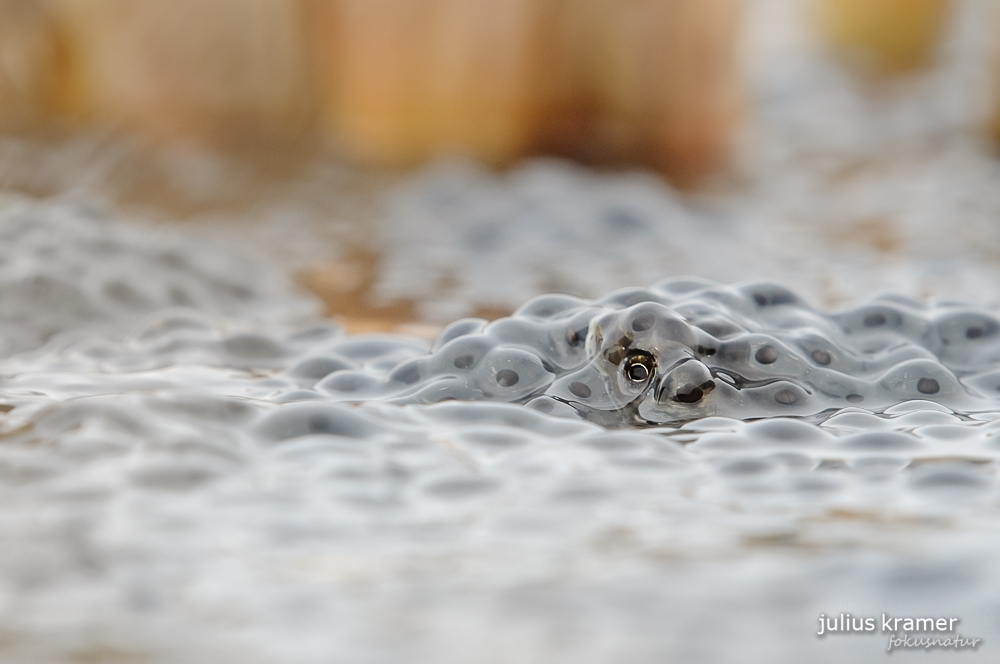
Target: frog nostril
x=689 y=394
x=688 y=383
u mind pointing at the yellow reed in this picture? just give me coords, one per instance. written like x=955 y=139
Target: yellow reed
x=404 y=80
x=229 y=70
x=884 y=36
x=32 y=64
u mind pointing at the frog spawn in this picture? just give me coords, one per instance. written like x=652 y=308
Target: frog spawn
x=758 y=351
x=510 y=360
x=686 y=349
x=241 y=427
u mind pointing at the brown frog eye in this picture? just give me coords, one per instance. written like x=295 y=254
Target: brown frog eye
x=639 y=366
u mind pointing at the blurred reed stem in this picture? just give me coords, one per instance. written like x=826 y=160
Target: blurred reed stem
x=883 y=37
x=389 y=82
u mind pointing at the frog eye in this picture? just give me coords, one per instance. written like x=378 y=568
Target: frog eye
x=639 y=367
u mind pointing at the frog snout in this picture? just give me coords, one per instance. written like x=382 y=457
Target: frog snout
x=689 y=382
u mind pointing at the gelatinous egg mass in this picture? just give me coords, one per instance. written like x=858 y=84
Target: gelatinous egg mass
x=196 y=452
x=683 y=350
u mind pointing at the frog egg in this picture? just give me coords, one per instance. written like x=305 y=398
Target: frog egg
x=511 y=374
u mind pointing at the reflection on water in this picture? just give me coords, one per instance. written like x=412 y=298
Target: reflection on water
x=228 y=468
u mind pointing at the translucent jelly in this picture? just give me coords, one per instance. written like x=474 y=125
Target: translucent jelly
x=687 y=472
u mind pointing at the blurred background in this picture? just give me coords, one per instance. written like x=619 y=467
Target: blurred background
x=414 y=161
